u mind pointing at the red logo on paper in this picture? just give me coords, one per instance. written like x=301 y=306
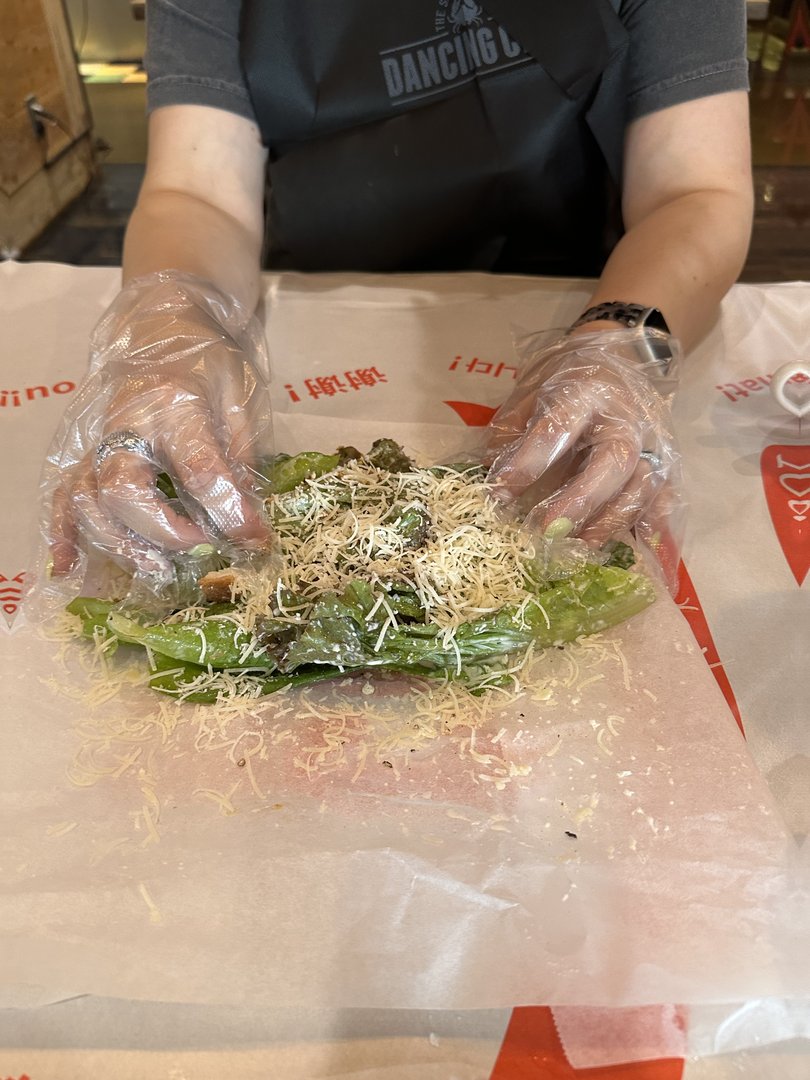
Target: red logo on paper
x=330 y=385
x=11 y=595
x=15 y=399
x=692 y=610
x=472 y=414
x=786 y=476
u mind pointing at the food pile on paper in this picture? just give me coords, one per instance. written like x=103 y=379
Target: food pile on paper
x=383 y=567
x=420 y=882
x=602 y=833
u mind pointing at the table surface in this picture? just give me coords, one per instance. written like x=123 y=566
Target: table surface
x=746 y=463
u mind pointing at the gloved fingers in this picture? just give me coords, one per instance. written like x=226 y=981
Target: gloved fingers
x=666 y=547
x=124 y=547
x=126 y=493
x=666 y=510
x=555 y=432
x=620 y=513
x=246 y=414
x=195 y=459
x=509 y=422
x=605 y=471
x=63 y=538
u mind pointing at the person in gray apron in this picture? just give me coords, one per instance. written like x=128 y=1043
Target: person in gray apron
x=597 y=138
x=362 y=173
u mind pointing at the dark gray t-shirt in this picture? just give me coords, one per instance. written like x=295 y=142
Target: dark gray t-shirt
x=679 y=50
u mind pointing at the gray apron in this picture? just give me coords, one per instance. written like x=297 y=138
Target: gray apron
x=439 y=134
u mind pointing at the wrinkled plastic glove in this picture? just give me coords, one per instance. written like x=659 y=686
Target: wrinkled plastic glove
x=184 y=368
x=585 y=441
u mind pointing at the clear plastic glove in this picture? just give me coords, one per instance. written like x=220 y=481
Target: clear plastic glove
x=178 y=385
x=585 y=442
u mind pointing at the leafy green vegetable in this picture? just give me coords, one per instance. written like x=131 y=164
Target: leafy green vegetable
x=219 y=643
x=92 y=612
x=289 y=472
x=165 y=486
x=348 y=453
x=388 y=455
x=411 y=524
x=173 y=677
x=309 y=633
x=619 y=554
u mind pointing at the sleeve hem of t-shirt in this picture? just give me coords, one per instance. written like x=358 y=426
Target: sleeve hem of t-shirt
x=187 y=90
x=717 y=79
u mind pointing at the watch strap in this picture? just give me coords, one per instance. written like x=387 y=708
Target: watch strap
x=653 y=343
x=626 y=314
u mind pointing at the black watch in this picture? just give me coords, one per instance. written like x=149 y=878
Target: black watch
x=652 y=349
x=630 y=315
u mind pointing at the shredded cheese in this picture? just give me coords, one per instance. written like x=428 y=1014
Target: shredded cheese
x=471 y=562
x=154 y=912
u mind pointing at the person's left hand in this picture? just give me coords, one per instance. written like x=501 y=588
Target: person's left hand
x=587 y=432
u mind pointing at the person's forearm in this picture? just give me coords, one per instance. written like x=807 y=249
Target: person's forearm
x=171 y=230
x=681 y=258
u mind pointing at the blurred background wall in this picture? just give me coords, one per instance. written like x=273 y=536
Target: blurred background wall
x=106 y=30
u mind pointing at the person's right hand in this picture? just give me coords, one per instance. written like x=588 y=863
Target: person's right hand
x=177 y=386
x=586 y=443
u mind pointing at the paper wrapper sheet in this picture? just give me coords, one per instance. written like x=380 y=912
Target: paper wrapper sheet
x=613 y=844
x=419 y=884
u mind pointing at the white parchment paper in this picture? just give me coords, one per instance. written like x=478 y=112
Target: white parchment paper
x=417 y=884
x=609 y=843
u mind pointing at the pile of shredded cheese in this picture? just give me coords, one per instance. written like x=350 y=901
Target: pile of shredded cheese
x=471 y=563
x=342 y=526
x=353 y=727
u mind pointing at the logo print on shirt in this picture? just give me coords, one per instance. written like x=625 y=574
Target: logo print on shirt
x=467 y=42
x=462 y=13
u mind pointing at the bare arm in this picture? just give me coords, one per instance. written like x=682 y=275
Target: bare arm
x=687 y=208
x=687 y=205
x=200 y=208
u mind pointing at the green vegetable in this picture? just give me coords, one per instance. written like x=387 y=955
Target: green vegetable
x=165 y=486
x=411 y=523
x=286 y=473
x=289 y=472
x=339 y=631
x=404 y=602
x=388 y=455
x=219 y=643
x=619 y=554
x=348 y=453
x=173 y=677
x=309 y=636
x=92 y=611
